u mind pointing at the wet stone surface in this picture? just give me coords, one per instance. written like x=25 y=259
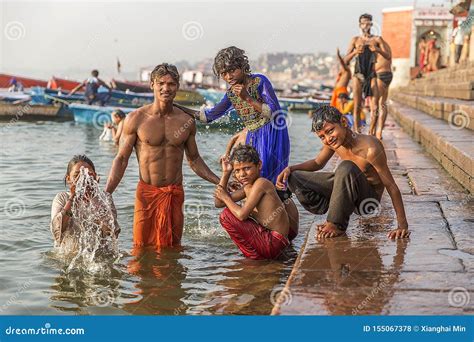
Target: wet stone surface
x=364 y=273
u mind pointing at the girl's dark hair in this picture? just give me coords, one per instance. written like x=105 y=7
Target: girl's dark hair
x=119 y=113
x=76 y=159
x=245 y=153
x=324 y=114
x=230 y=58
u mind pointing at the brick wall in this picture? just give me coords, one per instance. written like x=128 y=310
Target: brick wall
x=396 y=30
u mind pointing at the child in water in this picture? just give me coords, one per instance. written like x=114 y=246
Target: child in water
x=65 y=226
x=113 y=131
x=261 y=227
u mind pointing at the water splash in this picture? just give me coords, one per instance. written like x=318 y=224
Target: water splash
x=97 y=228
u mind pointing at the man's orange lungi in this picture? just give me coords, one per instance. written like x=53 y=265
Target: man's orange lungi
x=335 y=94
x=158 y=219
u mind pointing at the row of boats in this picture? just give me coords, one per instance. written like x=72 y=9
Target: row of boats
x=37 y=99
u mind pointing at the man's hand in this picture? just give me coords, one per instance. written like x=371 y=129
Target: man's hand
x=240 y=91
x=282 y=178
x=220 y=193
x=399 y=233
x=233 y=186
x=359 y=49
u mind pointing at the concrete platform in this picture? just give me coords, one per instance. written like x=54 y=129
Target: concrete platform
x=365 y=273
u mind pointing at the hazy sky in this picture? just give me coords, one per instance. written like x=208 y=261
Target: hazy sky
x=69 y=37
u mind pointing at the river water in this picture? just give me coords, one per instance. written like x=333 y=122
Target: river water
x=208 y=275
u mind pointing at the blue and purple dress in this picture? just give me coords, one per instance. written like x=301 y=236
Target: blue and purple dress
x=267 y=131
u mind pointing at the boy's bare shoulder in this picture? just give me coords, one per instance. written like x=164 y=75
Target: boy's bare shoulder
x=263 y=184
x=183 y=117
x=371 y=144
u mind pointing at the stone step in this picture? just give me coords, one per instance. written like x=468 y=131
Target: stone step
x=451 y=146
x=459 y=113
x=454 y=91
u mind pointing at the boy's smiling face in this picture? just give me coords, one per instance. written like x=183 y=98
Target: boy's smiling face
x=246 y=172
x=332 y=135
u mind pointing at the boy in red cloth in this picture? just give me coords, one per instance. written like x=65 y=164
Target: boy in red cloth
x=260 y=227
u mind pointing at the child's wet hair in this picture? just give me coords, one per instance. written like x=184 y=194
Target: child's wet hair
x=324 y=114
x=76 y=159
x=229 y=59
x=119 y=113
x=245 y=154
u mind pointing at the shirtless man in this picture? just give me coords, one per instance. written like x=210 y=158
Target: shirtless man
x=342 y=80
x=261 y=227
x=383 y=71
x=161 y=133
x=357 y=183
x=365 y=48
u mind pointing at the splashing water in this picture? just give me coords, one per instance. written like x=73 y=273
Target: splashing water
x=94 y=214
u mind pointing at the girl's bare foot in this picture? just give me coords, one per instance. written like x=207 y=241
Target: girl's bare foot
x=328 y=230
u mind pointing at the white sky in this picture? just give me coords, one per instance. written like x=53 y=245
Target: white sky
x=70 y=38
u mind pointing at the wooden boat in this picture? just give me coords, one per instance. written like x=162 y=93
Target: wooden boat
x=118 y=98
x=97 y=116
x=27 y=82
x=26 y=111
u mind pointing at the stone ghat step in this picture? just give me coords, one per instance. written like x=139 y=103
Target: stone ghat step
x=459 y=113
x=466 y=74
x=451 y=146
x=454 y=90
x=466 y=67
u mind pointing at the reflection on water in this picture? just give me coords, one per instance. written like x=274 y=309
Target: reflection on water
x=208 y=275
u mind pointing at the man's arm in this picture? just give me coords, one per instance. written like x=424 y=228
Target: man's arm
x=120 y=163
x=195 y=161
x=243 y=212
x=189 y=111
x=376 y=156
x=310 y=165
x=102 y=83
x=382 y=48
x=72 y=92
x=342 y=63
x=351 y=51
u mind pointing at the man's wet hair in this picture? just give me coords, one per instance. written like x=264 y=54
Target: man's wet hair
x=165 y=69
x=229 y=59
x=95 y=73
x=365 y=16
x=324 y=114
x=245 y=154
x=76 y=159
